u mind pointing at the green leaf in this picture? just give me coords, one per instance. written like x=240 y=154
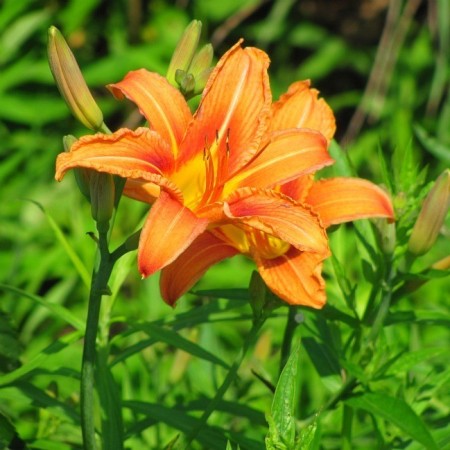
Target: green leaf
x=396 y=411
x=231 y=294
x=110 y=401
x=10 y=347
x=282 y=423
x=306 y=436
x=41 y=399
x=432 y=145
x=173 y=338
x=210 y=438
x=411 y=358
x=42 y=110
x=342 y=165
x=76 y=261
x=46 y=444
x=322 y=357
x=19 y=31
x=58 y=310
x=7 y=431
x=40 y=359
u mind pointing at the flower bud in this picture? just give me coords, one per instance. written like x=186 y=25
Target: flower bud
x=185 y=51
x=442 y=264
x=186 y=82
x=102 y=199
x=82 y=176
x=201 y=68
x=71 y=83
x=386 y=235
x=189 y=70
x=431 y=216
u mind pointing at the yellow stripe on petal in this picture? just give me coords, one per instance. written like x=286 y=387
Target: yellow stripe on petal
x=162 y=105
x=140 y=155
x=339 y=200
x=169 y=229
x=178 y=277
x=288 y=155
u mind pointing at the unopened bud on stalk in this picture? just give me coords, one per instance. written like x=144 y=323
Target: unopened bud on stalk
x=201 y=68
x=82 y=176
x=386 y=235
x=442 y=264
x=189 y=70
x=185 y=51
x=102 y=192
x=71 y=83
x=431 y=216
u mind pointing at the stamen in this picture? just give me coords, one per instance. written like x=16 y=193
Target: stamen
x=206 y=152
x=215 y=175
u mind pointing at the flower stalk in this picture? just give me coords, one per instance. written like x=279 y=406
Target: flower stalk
x=99 y=287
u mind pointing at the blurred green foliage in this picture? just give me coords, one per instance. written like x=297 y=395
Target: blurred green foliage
x=169 y=363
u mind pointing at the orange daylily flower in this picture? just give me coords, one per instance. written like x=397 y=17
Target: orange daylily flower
x=214 y=177
x=184 y=163
x=292 y=273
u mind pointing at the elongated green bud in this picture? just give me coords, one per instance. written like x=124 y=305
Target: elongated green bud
x=102 y=199
x=185 y=51
x=431 y=217
x=189 y=69
x=201 y=68
x=71 y=83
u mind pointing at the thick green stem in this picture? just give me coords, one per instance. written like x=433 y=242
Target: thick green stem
x=291 y=325
x=99 y=287
x=231 y=375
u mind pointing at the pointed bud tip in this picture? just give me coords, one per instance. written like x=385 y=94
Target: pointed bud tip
x=185 y=50
x=431 y=217
x=70 y=81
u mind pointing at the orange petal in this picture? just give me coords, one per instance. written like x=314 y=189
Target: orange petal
x=234 y=110
x=169 y=229
x=300 y=108
x=298 y=189
x=279 y=216
x=288 y=155
x=295 y=277
x=162 y=105
x=178 y=277
x=338 y=200
x=140 y=155
x=142 y=191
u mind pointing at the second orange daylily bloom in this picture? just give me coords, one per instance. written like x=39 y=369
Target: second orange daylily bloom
x=214 y=177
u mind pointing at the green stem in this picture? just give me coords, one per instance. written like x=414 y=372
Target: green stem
x=291 y=325
x=383 y=309
x=231 y=375
x=99 y=287
x=347 y=418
